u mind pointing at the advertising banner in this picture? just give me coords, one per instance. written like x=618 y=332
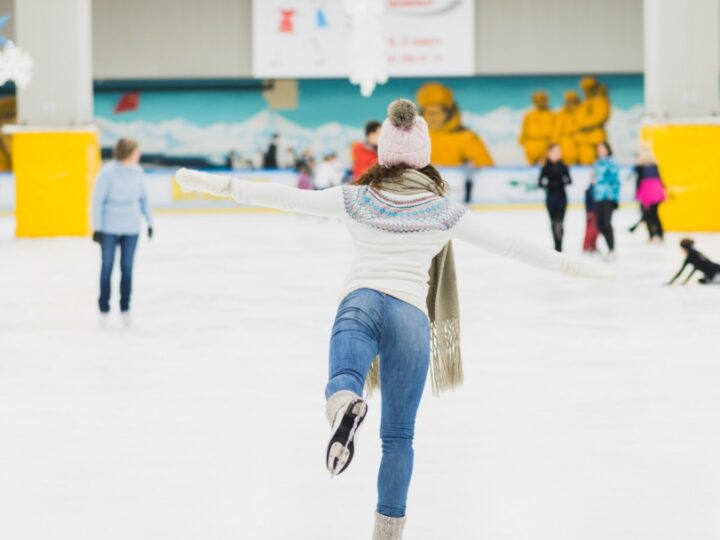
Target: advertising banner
x=308 y=39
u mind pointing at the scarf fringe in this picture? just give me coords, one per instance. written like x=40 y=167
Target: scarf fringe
x=446 y=372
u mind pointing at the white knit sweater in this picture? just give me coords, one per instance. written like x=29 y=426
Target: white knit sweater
x=395 y=237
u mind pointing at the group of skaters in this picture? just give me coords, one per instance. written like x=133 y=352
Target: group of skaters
x=398 y=317
x=602 y=196
x=330 y=172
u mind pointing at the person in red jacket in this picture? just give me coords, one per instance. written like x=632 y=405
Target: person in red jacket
x=365 y=153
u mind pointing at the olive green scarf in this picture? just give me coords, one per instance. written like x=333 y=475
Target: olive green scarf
x=442 y=301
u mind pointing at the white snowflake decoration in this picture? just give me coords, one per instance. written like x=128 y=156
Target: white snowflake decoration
x=15 y=65
x=368 y=59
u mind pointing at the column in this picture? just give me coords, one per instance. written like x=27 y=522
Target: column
x=55 y=146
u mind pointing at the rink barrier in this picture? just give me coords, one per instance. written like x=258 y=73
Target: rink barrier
x=239 y=209
x=494 y=188
x=690 y=163
x=52 y=193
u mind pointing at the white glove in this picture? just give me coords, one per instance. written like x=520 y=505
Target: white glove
x=214 y=184
x=582 y=268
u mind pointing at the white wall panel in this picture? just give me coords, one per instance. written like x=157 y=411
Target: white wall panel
x=212 y=38
x=559 y=36
x=171 y=38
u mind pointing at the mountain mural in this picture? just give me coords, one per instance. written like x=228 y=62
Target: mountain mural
x=330 y=117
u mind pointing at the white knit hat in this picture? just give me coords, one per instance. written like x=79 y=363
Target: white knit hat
x=404 y=137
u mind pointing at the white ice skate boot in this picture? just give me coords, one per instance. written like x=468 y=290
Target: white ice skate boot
x=610 y=257
x=388 y=528
x=345 y=412
x=103 y=319
x=126 y=319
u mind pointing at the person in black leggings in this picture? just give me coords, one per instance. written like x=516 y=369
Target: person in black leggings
x=698 y=261
x=554 y=176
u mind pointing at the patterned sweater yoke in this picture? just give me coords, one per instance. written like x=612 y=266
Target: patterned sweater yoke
x=385 y=212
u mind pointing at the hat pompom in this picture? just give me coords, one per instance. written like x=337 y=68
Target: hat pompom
x=402 y=113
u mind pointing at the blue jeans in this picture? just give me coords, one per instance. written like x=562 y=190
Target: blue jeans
x=110 y=242
x=368 y=323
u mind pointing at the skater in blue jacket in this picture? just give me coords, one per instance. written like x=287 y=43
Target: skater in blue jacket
x=606 y=192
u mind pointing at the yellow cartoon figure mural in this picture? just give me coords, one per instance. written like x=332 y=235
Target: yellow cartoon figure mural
x=537 y=129
x=593 y=114
x=452 y=143
x=566 y=127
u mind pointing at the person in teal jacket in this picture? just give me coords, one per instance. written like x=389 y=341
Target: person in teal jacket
x=606 y=193
x=119 y=202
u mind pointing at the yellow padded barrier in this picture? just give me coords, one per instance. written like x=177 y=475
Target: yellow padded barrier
x=689 y=161
x=54 y=175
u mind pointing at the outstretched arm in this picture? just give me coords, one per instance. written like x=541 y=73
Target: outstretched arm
x=471 y=229
x=327 y=203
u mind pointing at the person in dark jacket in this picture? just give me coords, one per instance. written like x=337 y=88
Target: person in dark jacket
x=270 y=158
x=698 y=261
x=554 y=176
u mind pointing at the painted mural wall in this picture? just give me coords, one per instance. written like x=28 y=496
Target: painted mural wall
x=467 y=113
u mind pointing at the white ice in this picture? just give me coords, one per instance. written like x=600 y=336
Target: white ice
x=591 y=410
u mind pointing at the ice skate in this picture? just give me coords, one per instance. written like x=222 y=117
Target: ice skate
x=126 y=319
x=103 y=319
x=610 y=257
x=346 y=410
x=388 y=528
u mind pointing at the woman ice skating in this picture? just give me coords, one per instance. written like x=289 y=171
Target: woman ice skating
x=399 y=303
x=698 y=261
x=606 y=194
x=119 y=201
x=649 y=192
x=554 y=176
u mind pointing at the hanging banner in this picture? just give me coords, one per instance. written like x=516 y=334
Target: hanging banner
x=310 y=39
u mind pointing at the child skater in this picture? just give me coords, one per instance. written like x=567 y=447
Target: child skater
x=698 y=261
x=400 y=302
x=591 y=230
x=554 y=176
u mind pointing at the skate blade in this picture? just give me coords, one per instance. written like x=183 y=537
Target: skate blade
x=337 y=459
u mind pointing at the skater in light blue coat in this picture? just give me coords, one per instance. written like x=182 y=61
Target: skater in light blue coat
x=119 y=202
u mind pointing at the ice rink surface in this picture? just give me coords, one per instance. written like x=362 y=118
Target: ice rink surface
x=591 y=410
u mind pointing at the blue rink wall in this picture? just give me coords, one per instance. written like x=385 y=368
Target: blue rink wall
x=512 y=186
